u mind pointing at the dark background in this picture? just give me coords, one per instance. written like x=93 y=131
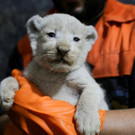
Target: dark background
x=13 y=16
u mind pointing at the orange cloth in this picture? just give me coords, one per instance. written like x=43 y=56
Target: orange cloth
x=36 y=114
x=113 y=53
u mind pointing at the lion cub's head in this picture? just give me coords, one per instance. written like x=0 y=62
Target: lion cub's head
x=60 y=42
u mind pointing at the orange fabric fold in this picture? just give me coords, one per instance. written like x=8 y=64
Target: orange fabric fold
x=102 y=114
x=113 y=53
x=33 y=113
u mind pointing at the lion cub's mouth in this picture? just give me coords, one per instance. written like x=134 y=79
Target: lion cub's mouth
x=61 y=61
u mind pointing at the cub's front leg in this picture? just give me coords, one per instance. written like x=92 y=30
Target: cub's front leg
x=8 y=87
x=86 y=116
x=90 y=101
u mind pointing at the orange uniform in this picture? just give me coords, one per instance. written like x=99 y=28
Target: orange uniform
x=113 y=53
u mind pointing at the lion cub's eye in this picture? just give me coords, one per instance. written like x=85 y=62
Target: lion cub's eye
x=51 y=34
x=76 y=39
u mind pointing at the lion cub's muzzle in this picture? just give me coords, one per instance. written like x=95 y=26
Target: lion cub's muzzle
x=62 y=52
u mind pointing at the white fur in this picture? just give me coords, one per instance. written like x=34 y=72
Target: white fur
x=8 y=87
x=66 y=77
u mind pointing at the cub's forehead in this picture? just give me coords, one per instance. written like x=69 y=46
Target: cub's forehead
x=63 y=21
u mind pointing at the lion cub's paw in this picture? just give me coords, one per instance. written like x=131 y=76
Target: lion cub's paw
x=87 y=123
x=8 y=87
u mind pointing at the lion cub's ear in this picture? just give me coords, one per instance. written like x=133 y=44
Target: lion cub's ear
x=92 y=34
x=33 y=26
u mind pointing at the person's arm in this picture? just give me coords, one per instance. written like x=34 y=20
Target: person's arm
x=119 y=122
x=4 y=120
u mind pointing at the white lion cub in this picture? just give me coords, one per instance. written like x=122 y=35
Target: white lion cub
x=60 y=45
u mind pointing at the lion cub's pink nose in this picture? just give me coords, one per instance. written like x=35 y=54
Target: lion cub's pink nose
x=62 y=52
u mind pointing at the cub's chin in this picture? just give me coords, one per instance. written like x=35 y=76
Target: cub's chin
x=56 y=66
x=60 y=66
x=63 y=68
